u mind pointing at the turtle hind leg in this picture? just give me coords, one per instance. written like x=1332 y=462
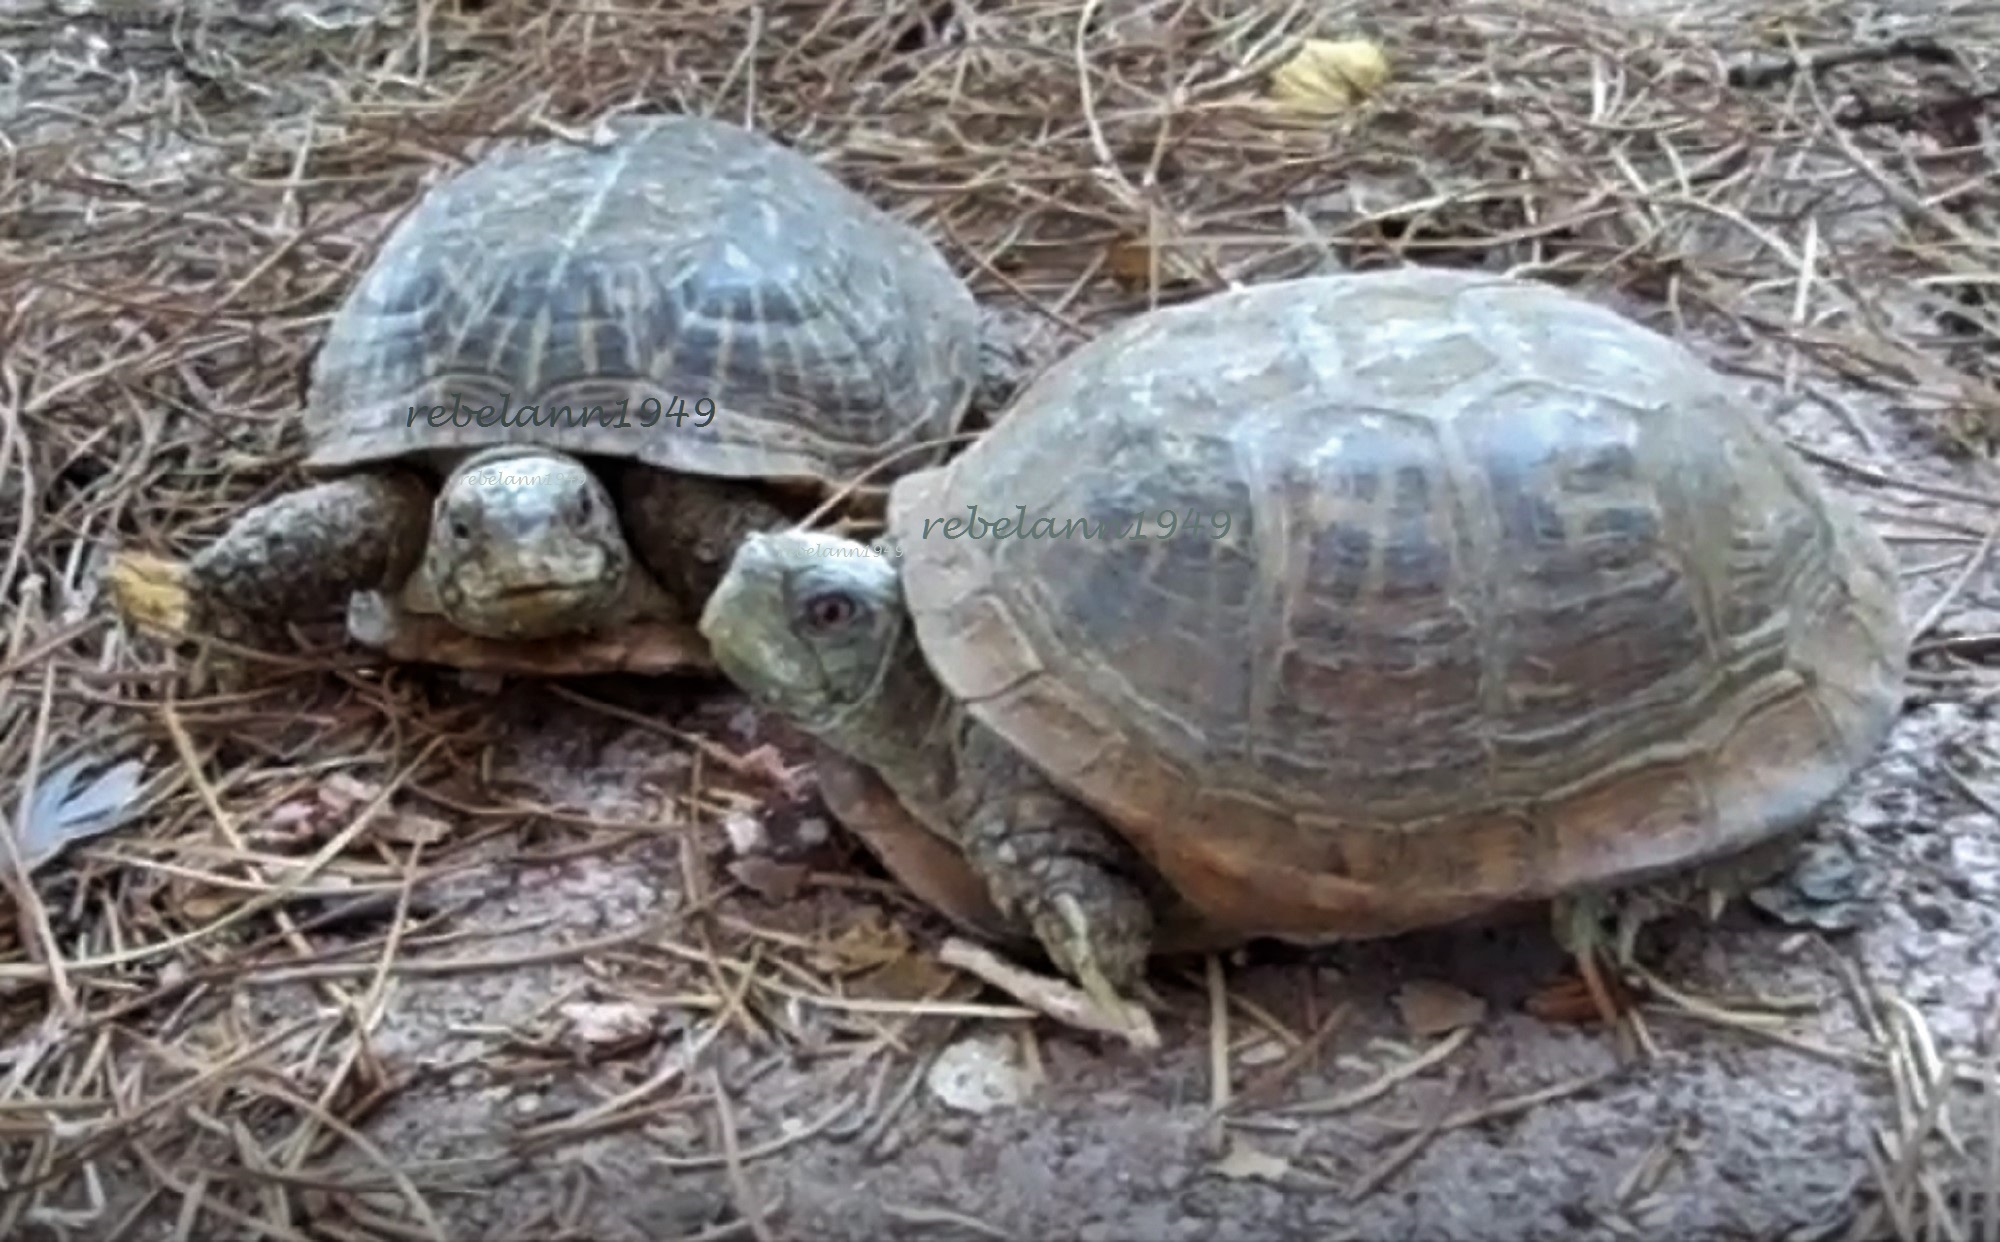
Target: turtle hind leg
x=1601 y=929
x=684 y=527
x=1580 y=923
x=293 y=558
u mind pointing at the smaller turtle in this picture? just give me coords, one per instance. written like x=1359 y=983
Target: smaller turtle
x=572 y=379
x=1340 y=607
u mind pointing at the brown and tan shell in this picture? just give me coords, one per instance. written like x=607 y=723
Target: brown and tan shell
x=1514 y=598
x=688 y=260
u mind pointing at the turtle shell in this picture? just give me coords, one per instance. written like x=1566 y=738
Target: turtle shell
x=582 y=297
x=1369 y=602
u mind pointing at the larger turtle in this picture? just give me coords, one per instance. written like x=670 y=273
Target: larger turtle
x=1345 y=606
x=573 y=377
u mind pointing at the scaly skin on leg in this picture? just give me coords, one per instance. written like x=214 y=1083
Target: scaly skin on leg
x=685 y=527
x=938 y=873
x=305 y=553
x=1003 y=365
x=1052 y=863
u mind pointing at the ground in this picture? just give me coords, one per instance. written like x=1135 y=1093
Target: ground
x=384 y=952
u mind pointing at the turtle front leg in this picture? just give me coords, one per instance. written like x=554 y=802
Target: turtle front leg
x=1052 y=864
x=686 y=527
x=292 y=558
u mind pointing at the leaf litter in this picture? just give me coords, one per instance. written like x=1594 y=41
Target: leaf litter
x=194 y=1042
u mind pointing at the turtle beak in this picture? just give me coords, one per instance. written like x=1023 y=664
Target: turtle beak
x=746 y=624
x=752 y=587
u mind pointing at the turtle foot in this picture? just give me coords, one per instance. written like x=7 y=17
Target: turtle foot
x=1601 y=929
x=1101 y=940
x=1581 y=926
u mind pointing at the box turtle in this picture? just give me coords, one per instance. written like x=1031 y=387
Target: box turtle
x=572 y=377
x=1345 y=605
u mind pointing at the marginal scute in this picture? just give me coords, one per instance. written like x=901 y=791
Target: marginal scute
x=1517 y=597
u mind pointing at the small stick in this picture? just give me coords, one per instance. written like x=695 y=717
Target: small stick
x=1059 y=1000
x=739 y=1182
x=1768 y=72
x=1218 y=1038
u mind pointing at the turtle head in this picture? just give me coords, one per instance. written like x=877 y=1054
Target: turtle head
x=526 y=545
x=807 y=624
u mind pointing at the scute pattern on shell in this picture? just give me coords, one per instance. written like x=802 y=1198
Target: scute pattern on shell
x=688 y=259
x=1516 y=597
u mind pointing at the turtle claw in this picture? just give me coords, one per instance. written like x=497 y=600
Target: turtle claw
x=1096 y=986
x=1579 y=929
x=1600 y=994
x=1074 y=948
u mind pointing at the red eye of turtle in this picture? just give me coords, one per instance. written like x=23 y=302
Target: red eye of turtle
x=830 y=610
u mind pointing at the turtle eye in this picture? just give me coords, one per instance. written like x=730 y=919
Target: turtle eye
x=586 y=507
x=829 y=610
x=459 y=530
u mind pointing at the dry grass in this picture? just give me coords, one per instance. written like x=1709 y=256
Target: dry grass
x=187 y=197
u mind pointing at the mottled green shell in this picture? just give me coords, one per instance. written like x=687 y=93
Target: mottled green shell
x=1479 y=593
x=688 y=261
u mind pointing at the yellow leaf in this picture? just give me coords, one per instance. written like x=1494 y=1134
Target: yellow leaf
x=149 y=591
x=911 y=978
x=1131 y=262
x=1329 y=76
x=864 y=945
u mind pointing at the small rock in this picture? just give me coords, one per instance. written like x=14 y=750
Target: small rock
x=603 y=1025
x=1263 y=1052
x=1827 y=889
x=481 y=681
x=1929 y=913
x=770 y=879
x=980 y=1074
x=746 y=833
x=1432 y=1008
x=1244 y=1162
x=412 y=828
x=812 y=832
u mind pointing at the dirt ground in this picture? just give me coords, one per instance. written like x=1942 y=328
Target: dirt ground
x=586 y=960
